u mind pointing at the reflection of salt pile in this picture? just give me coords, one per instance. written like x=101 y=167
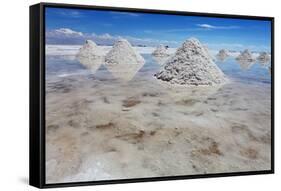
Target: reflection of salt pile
x=90 y=56
x=269 y=70
x=222 y=55
x=123 y=61
x=160 y=51
x=246 y=55
x=263 y=57
x=191 y=65
x=160 y=54
x=160 y=60
x=245 y=64
x=245 y=59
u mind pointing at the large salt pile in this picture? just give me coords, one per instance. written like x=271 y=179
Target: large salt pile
x=90 y=55
x=191 y=65
x=222 y=54
x=123 y=61
x=263 y=57
x=161 y=51
x=246 y=55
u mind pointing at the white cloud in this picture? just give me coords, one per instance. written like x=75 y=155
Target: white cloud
x=105 y=36
x=237 y=46
x=207 y=26
x=69 y=36
x=229 y=46
x=71 y=14
x=116 y=13
x=67 y=31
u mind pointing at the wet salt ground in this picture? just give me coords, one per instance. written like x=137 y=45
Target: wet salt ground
x=100 y=128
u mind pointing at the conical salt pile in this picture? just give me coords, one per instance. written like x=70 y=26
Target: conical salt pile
x=191 y=65
x=222 y=54
x=160 y=51
x=90 y=56
x=123 y=53
x=123 y=61
x=263 y=57
x=246 y=55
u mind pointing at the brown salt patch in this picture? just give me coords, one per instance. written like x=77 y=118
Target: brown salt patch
x=187 y=102
x=130 y=102
x=249 y=153
x=197 y=114
x=149 y=94
x=106 y=126
x=155 y=114
x=110 y=149
x=244 y=130
x=240 y=109
x=72 y=123
x=211 y=98
x=52 y=127
x=105 y=100
x=133 y=137
x=84 y=134
x=152 y=133
x=213 y=149
x=239 y=128
x=214 y=110
x=160 y=103
x=177 y=133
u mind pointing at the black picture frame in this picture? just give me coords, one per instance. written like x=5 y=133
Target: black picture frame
x=37 y=95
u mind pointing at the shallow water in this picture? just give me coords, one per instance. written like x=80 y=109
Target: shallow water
x=59 y=66
x=103 y=126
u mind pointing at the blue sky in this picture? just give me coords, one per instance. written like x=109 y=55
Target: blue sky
x=73 y=26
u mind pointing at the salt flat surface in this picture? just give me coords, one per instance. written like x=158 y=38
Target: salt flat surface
x=99 y=127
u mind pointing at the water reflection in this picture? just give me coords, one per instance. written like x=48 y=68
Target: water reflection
x=269 y=70
x=124 y=72
x=245 y=64
x=160 y=59
x=264 y=59
x=89 y=63
x=222 y=55
x=221 y=58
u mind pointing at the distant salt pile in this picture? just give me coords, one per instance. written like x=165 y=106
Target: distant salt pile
x=191 y=65
x=90 y=55
x=246 y=55
x=123 y=61
x=123 y=53
x=160 y=51
x=222 y=54
x=263 y=57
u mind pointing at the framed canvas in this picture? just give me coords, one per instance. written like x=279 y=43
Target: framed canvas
x=121 y=95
